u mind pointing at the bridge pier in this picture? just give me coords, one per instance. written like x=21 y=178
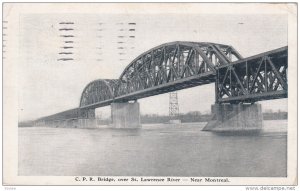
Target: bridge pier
x=235 y=118
x=86 y=119
x=125 y=115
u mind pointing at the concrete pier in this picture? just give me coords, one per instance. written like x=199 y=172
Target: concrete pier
x=83 y=118
x=87 y=123
x=125 y=115
x=235 y=118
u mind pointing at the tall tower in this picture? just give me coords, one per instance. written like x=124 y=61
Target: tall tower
x=173 y=105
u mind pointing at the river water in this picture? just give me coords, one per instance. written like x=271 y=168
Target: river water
x=153 y=150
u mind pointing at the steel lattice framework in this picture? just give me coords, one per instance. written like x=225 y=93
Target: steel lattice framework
x=259 y=77
x=173 y=105
x=101 y=90
x=166 y=68
x=179 y=65
x=172 y=62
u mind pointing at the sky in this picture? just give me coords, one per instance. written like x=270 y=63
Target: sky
x=48 y=85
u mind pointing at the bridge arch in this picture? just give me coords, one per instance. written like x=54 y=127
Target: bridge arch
x=173 y=61
x=171 y=64
x=98 y=91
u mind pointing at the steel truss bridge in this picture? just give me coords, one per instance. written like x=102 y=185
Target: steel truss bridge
x=180 y=65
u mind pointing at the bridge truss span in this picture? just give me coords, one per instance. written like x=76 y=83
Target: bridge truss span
x=260 y=77
x=180 y=65
x=98 y=92
x=173 y=66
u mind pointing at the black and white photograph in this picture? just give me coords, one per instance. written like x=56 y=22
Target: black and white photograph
x=149 y=93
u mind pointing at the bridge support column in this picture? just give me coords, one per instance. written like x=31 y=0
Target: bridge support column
x=87 y=119
x=125 y=115
x=239 y=118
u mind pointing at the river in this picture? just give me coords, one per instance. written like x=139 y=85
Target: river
x=153 y=150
